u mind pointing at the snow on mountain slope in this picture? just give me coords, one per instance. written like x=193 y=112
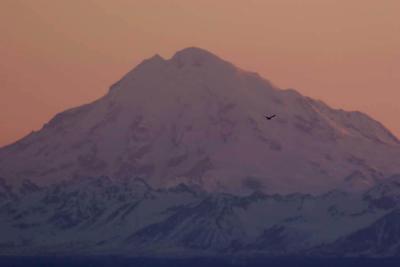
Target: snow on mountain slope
x=6 y=191
x=386 y=195
x=99 y=215
x=380 y=239
x=198 y=119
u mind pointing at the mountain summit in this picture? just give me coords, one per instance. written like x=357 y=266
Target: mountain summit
x=198 y=119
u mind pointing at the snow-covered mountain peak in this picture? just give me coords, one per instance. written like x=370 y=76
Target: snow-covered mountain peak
x=199 y=120
x=182 y=63
x=194 y=55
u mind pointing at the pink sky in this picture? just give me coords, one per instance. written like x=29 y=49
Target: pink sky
x=59 y=54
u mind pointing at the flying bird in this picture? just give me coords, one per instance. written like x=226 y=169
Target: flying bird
x=269 y=117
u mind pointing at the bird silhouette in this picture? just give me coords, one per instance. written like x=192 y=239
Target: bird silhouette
x=270 y=117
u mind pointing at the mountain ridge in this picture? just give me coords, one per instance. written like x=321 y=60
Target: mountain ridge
x=97 y=215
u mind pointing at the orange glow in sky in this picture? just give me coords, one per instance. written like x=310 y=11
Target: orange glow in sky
x=59 y=54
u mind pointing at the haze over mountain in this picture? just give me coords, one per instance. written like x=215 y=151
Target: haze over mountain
x=198 y=119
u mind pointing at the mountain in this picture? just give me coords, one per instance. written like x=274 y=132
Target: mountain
x=199 y=120
x=104 y=216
